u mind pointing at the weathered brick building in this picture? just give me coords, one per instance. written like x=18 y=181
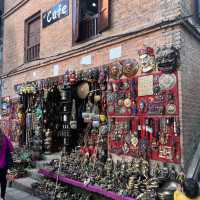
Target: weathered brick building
x=132 y=24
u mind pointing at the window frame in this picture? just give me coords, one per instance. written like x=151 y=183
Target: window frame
x=27 y=22
x=76 y=22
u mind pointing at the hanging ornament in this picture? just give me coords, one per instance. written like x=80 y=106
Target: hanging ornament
x=73 y=122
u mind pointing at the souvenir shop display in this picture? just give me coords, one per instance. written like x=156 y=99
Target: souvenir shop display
x=5 y=106
x=21 y=122
x=126 y=109
x=144 y=111
x=52 y=120
x=48 y=141
x=66 y=104
x=135 y=179
x=37 y=123
x=22 y=161
x=15 y=122
x=5 y=115
x=45 y=190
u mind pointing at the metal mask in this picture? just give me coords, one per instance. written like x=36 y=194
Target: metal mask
x=130 y=67
x=116 y=71
x=147 y=59
x=168 y=59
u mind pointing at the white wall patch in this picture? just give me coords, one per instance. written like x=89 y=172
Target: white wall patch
x=115 y=53
x=56 y=70
x=86 y=60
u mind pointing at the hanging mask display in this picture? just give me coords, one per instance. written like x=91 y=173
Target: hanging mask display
x=123 y=112
x=115 y=71
x=168 y=59
x=130 y=67
x=147 y=59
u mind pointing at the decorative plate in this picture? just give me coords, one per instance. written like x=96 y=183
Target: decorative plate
x=171 y=109
x=167 y=81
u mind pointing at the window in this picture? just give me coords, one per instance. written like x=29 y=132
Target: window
x=32 y=38
x=90 y=17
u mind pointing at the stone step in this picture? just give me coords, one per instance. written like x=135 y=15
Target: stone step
x=14 y=194
x=41 y=164
x=52 y=156
x=24 y=184
x=47 y=158
x=33 y=173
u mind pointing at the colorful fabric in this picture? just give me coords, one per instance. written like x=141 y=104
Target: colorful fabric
x=180 y=196
x=3 y=152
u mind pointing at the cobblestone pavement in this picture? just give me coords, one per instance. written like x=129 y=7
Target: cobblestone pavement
x=13 y=194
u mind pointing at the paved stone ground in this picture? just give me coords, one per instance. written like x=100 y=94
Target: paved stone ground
x=13 y=194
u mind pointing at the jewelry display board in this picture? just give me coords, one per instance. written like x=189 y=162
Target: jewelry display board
x=144 y=116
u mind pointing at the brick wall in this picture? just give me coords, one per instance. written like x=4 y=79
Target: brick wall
x=10 y=4
x=126 y=16
x=99 y=57
x=190 y=73
x=57 y=38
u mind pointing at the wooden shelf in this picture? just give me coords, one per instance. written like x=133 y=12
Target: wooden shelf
x=90 y=188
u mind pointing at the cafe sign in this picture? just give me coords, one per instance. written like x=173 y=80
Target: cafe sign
x=56 y=13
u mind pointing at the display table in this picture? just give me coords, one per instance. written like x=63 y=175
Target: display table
x=91 y=188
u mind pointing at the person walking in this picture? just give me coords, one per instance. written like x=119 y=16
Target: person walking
x=6 y=149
